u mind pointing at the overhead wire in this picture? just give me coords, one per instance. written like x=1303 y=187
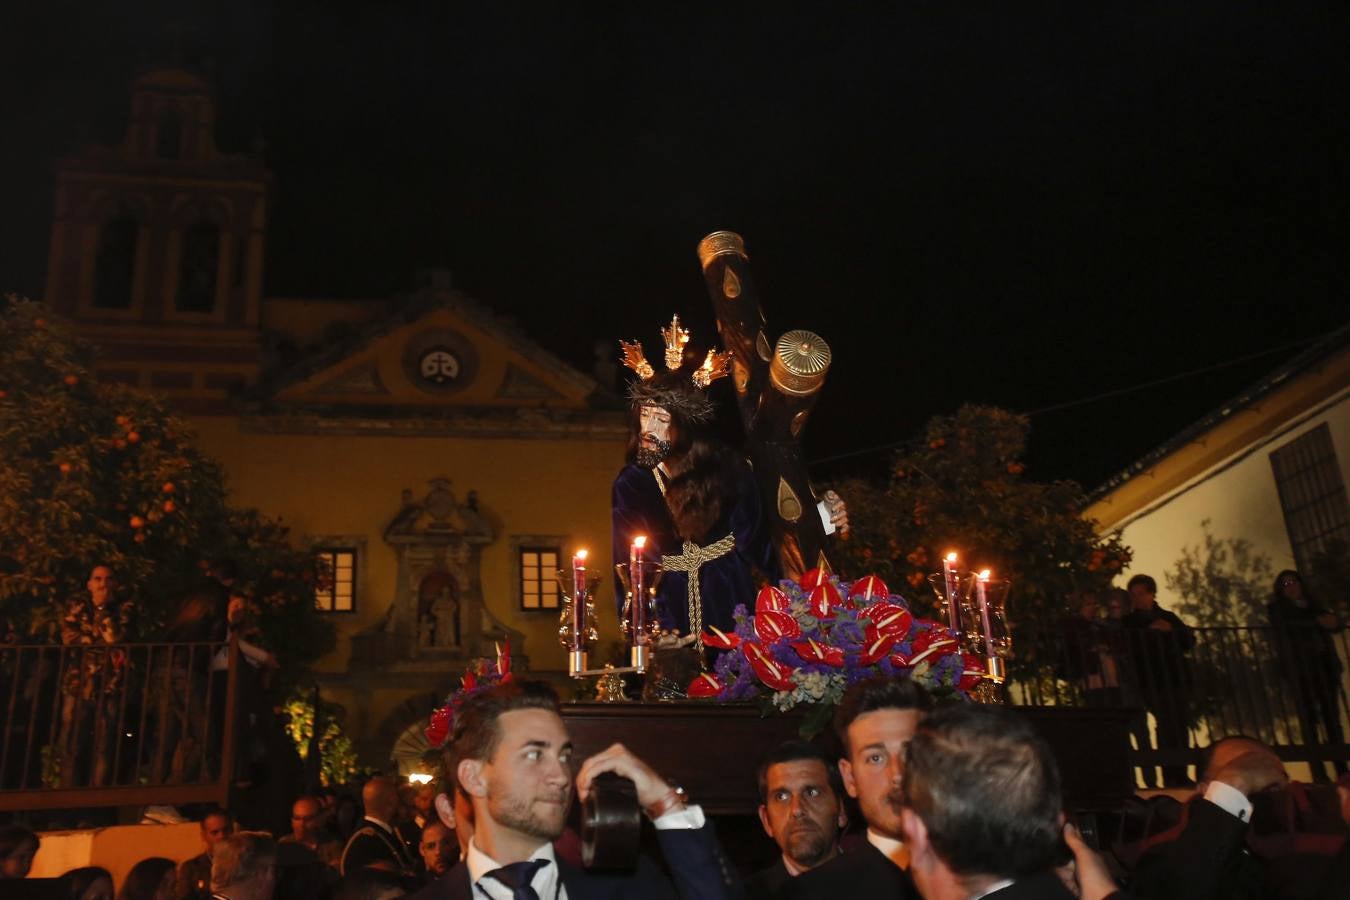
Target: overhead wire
x=1094 y=398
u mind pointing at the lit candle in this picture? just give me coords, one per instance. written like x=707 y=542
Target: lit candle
x=952 y=583
x=984 y=614
x=579 y=600
x=639 y=621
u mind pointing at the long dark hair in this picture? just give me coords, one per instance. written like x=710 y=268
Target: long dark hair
x=699 y=494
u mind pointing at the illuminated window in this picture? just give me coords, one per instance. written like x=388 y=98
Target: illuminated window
x=336 y=590
x=538 y=586
x=1312 y=494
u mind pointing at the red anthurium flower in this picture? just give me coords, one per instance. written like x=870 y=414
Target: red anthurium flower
x=972 y=670
x=439 y=727
x=705 y=685
x=767 y=669
x=869 y=587
x=770 y=597
x=900 y=660
x=470 y=681
x=876 y=645
x=932 y=644
x=504 y=658
x=814 y=651
x=774 y=625
x=812 y=578
x=720 y=640
x=890 y=618
x=825 y=599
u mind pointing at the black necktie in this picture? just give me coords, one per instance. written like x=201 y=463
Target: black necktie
x=518 y=876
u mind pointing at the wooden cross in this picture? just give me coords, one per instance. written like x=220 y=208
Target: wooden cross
x=776 y=387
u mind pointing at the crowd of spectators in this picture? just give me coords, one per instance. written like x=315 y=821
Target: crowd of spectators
x=1123 y=649
x=104 y=712
x=943 y=802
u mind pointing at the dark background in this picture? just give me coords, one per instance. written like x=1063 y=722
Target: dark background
x=1016 y=204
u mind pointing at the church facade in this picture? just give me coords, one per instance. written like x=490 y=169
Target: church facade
x=440 y=462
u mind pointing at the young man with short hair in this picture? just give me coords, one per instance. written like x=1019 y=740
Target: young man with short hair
x=874 y=722
x=510 y=753
x=194 y=875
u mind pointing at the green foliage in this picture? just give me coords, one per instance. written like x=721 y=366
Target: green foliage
x=103 y=474
x=337 y=755
x=963 y=489
x=1222 y=583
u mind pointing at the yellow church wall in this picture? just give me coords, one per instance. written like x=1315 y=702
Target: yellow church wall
x=327 y=485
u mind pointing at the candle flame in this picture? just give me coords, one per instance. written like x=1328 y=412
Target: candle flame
x=640 y=541
x=951 y=557
x=984 y=574
x=581 y=555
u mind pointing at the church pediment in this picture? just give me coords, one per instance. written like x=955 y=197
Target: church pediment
x=441 y=350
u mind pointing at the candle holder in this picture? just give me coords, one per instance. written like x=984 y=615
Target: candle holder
x=954 y=603
x=640 y=625
x=995 y=638
x=577 y=628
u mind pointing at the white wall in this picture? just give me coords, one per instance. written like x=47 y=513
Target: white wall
x=1237 y=496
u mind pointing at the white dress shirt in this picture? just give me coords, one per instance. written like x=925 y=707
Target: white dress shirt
x=545 y=881
x=891 y=848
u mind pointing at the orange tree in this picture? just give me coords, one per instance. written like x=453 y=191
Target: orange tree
x=95 y=474
x=963 y=488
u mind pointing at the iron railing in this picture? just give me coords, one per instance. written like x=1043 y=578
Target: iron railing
x=91 y=725
x=1286 y=687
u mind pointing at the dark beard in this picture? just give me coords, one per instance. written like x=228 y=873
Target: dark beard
x=650 y=458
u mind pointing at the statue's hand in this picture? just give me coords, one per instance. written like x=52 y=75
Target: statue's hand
x=838 y=510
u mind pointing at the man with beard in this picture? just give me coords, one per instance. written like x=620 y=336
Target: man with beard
x=438 y=848
x=510 y=753
x=696 y=503
x=802 y=809
x=874 y=722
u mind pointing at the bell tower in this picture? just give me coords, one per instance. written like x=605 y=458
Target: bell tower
x=157 y=247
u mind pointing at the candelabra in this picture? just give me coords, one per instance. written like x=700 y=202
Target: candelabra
x=974 y=608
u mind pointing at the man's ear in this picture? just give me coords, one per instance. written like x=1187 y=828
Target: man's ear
x=470 y=774
x=764 y=820
x=846 y=772
x=445 y=810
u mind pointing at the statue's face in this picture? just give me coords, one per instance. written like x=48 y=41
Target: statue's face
x=654 y=442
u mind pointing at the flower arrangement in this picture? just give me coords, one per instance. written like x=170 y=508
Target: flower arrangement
x=480 y=676
x=808 y=640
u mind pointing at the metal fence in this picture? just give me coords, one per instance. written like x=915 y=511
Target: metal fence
x=1285 y=687
x=116 y=724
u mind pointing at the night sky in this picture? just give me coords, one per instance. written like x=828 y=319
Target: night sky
x=1016 y=204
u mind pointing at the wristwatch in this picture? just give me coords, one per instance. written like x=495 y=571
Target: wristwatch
x=674 y=799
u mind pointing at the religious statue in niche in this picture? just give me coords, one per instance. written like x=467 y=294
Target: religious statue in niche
x=438 y=619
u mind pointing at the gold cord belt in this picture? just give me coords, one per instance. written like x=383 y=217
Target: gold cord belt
x=691 y=560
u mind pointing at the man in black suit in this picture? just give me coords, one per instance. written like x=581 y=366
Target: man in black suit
x=193 y=881
x=801 y=807
x=377 y=841
x=982 y=810
x=875 y=720
x=510 y=753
